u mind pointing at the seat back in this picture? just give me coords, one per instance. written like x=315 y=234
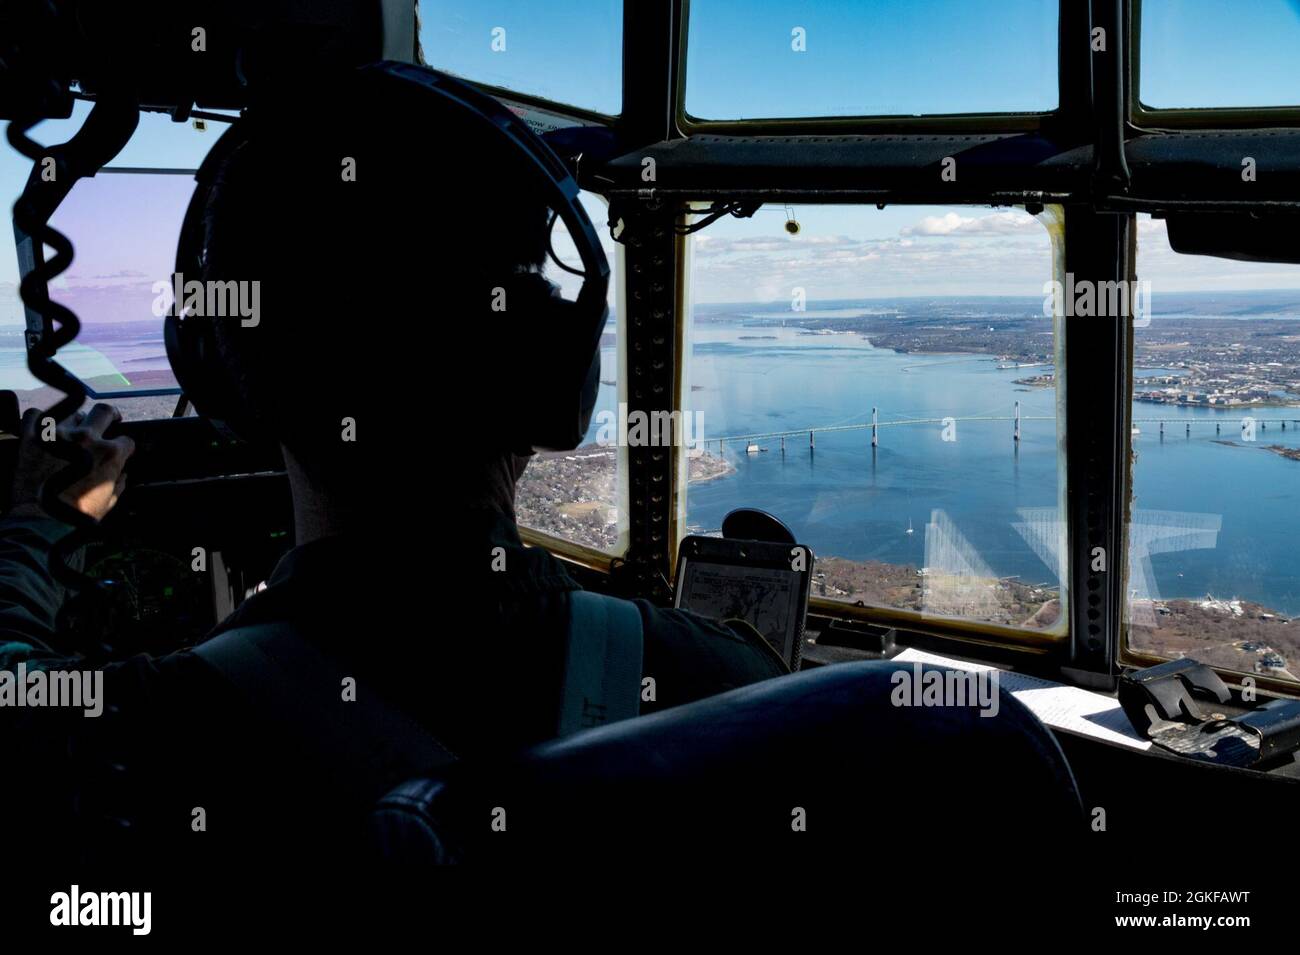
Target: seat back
x=740 y=773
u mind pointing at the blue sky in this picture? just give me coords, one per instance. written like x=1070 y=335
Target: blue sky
x=570 y=51
x=1220 y=53
x=894 y=56
x=884 y=56
x=881 y=57
x=887 y=57
x=861 y=252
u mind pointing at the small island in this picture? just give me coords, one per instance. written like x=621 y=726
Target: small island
x=1291 y=454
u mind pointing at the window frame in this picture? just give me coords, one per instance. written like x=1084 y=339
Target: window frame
x=1009 y=122
x=961 y=629
x=580 y=554
x=35 y=335
x=1219 y=117
x=1126 y=655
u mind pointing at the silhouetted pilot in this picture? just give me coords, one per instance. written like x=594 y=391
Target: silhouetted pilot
x=375 y=310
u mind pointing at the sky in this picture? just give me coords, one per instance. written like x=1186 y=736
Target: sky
x=1220 y=53
x=868 y=57
x=884 y=56
x=135 y=223
x=861 y=252
x=918 y=251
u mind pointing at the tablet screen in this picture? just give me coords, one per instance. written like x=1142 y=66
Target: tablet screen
x=766 y=597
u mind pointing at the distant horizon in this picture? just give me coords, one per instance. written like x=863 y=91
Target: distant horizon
x=783 y=303
x=967 y=298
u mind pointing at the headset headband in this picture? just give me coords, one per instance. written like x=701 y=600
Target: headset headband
x=554 y=175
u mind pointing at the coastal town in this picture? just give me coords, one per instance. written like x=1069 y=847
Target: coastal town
x=1226 y=364
x=1220 y=363
x=574 y=494
x=1185 y=361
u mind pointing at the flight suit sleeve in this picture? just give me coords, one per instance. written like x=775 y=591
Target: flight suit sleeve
x=30 y=597
x=690 y=657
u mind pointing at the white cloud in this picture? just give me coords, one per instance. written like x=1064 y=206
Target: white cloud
x=937 y=225
x=848 y=268
x=995 y=223
x=1013 y=222
x=709 y=245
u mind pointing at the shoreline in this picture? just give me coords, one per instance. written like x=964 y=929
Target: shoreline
x=711 y=467
x=1220 y=407
x=1291 y=454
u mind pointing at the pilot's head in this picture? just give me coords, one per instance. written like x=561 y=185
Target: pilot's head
x=376 y=237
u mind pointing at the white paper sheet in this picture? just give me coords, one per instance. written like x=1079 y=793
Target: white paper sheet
x=1067 y=708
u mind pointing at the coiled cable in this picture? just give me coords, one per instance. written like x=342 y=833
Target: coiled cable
x=104 y=133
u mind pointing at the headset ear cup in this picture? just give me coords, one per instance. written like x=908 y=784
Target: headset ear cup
x=184 y=351
x=571 y=384
x=190 y=354
x=584 y=357
x=191 y=349
x=555 y=376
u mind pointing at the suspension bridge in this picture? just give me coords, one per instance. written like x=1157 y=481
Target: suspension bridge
x=874 y=426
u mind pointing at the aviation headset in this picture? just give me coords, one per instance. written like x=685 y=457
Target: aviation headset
x=555 y=407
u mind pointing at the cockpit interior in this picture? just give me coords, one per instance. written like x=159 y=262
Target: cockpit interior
x=633 y=434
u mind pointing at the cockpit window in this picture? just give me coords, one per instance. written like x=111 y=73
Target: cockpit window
x=1219 y=53
x=1212 y=566
x=124 y=228
x=566 y=51
x=748 y=60
x=885 y=381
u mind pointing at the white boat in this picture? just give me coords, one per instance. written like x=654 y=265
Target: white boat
x=753 y=449
x=1136 y=431
x=909 y=525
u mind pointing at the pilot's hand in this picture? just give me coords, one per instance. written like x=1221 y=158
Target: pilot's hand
x=96 y=493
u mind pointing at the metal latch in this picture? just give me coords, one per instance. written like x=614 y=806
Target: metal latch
x=1162 y=704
